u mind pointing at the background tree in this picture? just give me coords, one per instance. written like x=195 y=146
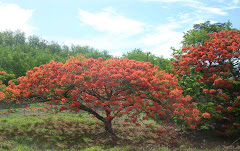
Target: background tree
x=199 y=33
x=88 y=52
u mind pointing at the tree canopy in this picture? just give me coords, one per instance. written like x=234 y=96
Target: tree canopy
x=107 y=89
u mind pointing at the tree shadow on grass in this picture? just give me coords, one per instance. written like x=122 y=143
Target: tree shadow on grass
x=68 y=134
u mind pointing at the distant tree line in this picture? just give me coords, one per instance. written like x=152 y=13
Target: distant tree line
x=139 y=55
x=19 y=53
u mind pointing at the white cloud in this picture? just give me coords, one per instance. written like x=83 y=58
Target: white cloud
x=163 y=34
x=165 y=48
x=164 y=38
x=110 y=21
x=210 y=10
x=13 y=17
x=235 y=1
x=105 y=42
x=117 y=54
x=114 y=45
x=184 y=17
x=232 y=7
x=199 y=21
x=197 y=5
x=171 y=19
x=229 y=3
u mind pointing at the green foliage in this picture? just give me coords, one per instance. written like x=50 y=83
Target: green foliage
x=19 y=53
x=199 y=33
x=139 y=55
x=190 y=84
x=88 y=52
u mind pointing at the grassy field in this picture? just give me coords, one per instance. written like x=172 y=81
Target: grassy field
x=28 y=130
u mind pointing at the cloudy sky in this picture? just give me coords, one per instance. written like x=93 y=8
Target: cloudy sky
x=117 y=26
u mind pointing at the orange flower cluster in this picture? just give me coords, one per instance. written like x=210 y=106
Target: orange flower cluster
x=214 y=58
x=2 y=95
x=3 y=90
x=2 y=73
x=206 y=115
x=115 y=86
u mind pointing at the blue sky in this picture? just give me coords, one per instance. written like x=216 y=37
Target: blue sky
x=118 y=26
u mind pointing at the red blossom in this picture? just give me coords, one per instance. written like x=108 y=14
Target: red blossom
x=230 y=109
x=206 y=115
x=238 y=98
x=63 y=108
x=212 y=91
x=219 y=107
x=160 y=131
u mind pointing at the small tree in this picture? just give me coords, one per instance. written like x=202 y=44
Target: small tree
x=217 y=64
x=107 y=89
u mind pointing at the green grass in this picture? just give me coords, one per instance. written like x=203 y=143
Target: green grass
x=64 y=131
x=24 y=130
x=46 y=131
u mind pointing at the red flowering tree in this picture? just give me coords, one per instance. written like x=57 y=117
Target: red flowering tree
x=217 y=62
x=2 y=94
x=4 y=78
x=107 y=89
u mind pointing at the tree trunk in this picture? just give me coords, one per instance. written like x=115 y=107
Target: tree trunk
x=108 y=126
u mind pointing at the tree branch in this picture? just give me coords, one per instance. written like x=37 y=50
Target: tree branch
x=84 y=108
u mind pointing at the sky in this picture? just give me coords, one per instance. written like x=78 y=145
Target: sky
x=118 y=26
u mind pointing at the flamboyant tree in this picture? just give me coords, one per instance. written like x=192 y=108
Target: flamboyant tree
x=107 y=89
x=217 y=63
x=4 y=78
x=2 y=94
